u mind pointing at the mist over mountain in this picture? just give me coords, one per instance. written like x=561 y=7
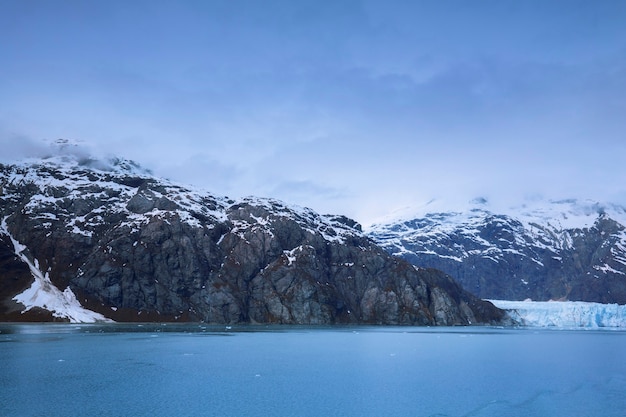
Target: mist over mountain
x=87 y=239
x=540 y=250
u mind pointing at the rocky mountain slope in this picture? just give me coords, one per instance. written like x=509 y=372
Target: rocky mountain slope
x=559 y=250
x=86 y=240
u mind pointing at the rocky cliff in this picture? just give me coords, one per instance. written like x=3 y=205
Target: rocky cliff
x=543 y=250
x=85 y=240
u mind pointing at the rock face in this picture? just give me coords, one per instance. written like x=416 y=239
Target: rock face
x=564 y=250
x=133 y=247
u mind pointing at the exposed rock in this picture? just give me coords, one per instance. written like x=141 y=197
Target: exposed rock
x=133 y=247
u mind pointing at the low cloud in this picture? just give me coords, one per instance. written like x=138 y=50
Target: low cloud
x=307 y=191
x=15 y=147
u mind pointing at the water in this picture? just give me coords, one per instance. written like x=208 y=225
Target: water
x=171 y=370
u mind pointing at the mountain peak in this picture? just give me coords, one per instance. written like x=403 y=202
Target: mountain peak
x=479 y=201
x=569 y=213
x=540 y=249
x=74 y=154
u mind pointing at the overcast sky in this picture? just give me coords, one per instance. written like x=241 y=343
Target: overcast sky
x=351 y=107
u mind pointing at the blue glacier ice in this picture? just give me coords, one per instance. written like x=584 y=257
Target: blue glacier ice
x=564 y=313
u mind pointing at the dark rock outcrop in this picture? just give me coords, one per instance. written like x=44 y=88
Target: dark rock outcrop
x=135 y=248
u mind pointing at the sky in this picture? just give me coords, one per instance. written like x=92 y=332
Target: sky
x=354 y=107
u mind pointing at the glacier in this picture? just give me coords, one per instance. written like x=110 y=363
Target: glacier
x=564 y=314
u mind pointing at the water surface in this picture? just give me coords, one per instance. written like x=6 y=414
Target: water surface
x=193 y=370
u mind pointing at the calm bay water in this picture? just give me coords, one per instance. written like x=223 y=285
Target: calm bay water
x=171 y=370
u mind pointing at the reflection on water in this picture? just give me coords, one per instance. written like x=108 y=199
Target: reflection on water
x=179 y=369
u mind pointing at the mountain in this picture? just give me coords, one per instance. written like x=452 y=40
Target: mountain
x=91 y=240
x=541 y=250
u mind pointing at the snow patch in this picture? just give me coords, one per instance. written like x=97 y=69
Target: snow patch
x=291 y=254
x=607 y=269
x=44 y=294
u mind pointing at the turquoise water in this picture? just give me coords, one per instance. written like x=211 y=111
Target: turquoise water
x=170 y=370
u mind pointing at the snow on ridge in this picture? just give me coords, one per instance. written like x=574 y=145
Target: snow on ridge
x=60 y=177
x=537 y=225
x=66 y=162
x=88 y=183
x=44 y=294
x=568 y=214
x=558 y=215
x=564 y=314
x=77 y=154
x=310 y=220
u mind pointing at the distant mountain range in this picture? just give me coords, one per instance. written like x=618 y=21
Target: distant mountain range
x=95 y=240
x=540 y=250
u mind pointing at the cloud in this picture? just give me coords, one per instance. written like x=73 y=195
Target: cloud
x=308 y=192
x=16 y=147
x=203 y=171
x=352 y=107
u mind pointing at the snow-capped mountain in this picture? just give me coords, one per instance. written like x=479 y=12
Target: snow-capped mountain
x=84 y=239
x=540 y=250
